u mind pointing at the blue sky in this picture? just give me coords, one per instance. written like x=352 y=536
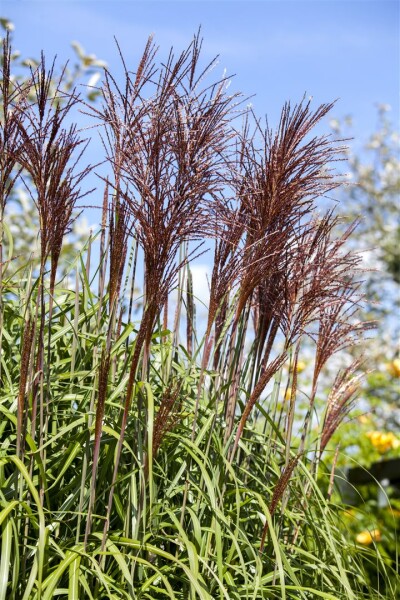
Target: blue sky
x=278 y=50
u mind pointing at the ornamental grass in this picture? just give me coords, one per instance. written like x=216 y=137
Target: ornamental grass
x=141 y=458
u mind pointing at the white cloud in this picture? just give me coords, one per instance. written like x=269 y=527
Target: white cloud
x=201 y=274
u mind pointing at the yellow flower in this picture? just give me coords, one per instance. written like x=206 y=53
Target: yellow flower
x=367 y=537
x=288 y=394
x=394 y=367
x=383 y=442
x=301 y=365
x=349 y=513
x=363 y=419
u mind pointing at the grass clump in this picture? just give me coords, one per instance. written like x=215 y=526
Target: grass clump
x=138 y=458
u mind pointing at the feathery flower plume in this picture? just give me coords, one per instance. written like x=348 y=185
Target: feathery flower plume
x=340 y=400
x=50 y=154
x=277 y=186
x=168 y=151
x=11 y=96
x=167 y=415
x=278 y=493
x=26 y=350
x=119 y=230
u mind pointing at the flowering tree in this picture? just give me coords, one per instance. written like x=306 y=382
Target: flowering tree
x=375 y=172
x=373 y=194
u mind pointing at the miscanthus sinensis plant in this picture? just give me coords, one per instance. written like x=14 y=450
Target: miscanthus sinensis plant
x=138 y=458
